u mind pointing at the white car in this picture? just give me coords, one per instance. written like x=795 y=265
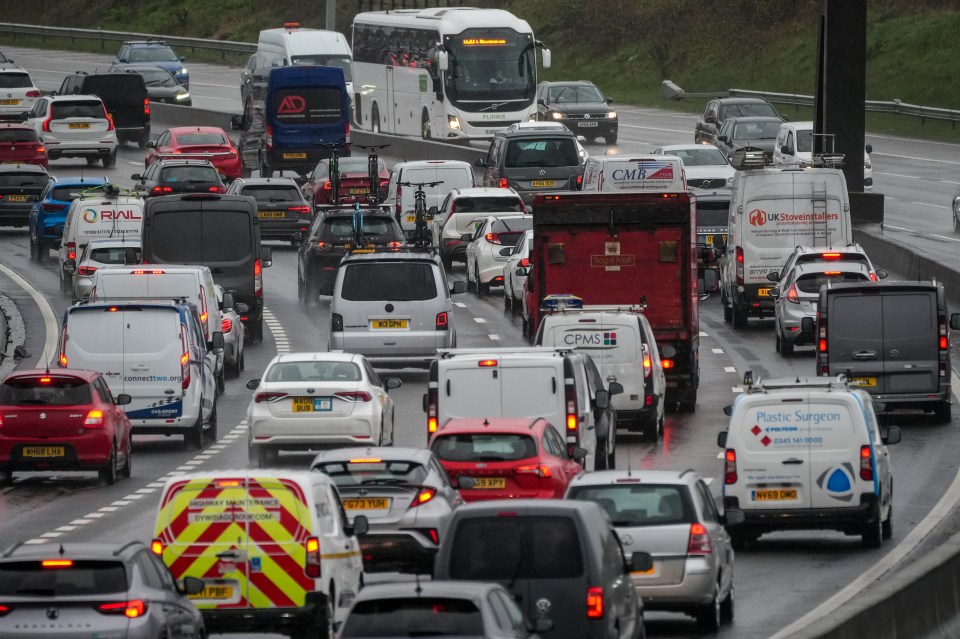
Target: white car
x=461 y=209
x=490 y=247
x=233 y=332
x=98 y=254
x=705 y=165
x=513 y=283
x=17 y=92
x=75 y=126
x=317 y=401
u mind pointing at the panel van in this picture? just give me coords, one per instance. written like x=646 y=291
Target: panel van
x=294 y=45
x=451 y=174
x=638 y=173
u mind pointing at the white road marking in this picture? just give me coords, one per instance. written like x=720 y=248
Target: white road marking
x=729 y=369
x=935 y=206
x=119 y=502
x=146 y=491
x=460 y=304
x=133 y=496
x=916 y=232
x=911 y=157
x=64 y=529
x=718 y=351
x=737 y=389
x=708 y=480
x=49 y=319
x=156 y=484
x=51 y=535
x=80 y=522
x=720 y=455
x=495 y=338
x=136 y=163
x=94 y=516
x=702 y=334
x=479 y=320
x=35 y=541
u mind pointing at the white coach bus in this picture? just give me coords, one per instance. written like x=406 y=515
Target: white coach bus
x=444 y=73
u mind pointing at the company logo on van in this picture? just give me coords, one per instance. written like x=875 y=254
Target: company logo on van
x=90 y=215
x=596 y=339
x=838 y=482
x=292 y=104
x=758 y=217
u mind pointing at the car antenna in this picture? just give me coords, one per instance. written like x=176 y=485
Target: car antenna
x=418 y=589
x=61 y=550
x=629 y=466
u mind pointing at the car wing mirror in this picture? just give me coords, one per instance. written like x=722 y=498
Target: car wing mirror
x=432 y=212
x=228 y=303
x=579 y=455
x=775 y=293
x=882 y=274
x=235 y=122
x=136 y=177
x=266 y=256
x=217 y=342
x=391 y=383
x=602 y=399
x=891 y=435
x=709 y=282
x=131 y=256
x=609 y=100
x=722 y=438
x=360 y=526
x=480 y=162
x=190 y=586
x=640 y=562
x=466 y=237
x=325 y=288
x=465 y=482
x=615 y=388
x=773 y=276
x=868 y=148
x=955 y=321
x=458 y=287
x=733 y=517
x=122 y=399
x=722 y=138
x=150 y=145
x=253 y=384
x=297 y=237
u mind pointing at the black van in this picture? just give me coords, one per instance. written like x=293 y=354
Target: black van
x=219 y=231
x=561 y=560
x=891 y=339
x=124 y=95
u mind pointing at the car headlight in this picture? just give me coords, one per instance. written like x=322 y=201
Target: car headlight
x=183 y=96
x=867 y=165
x=453 y=122
x=611 y=115
x=182 y=71
x=557 y=116
x=730 y=181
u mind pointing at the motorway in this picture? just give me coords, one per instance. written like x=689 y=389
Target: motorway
x=785 y=577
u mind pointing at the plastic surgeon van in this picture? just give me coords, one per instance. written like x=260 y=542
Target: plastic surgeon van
x=640 y=173
x=772 y=211
x=294 y=46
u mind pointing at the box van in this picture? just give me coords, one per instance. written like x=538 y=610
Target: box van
x=560 y=385
x=773 y=210
x=620 y=341
x=274 y=549
x=218 y=231
x=452 y=174
x=125 y=97
x=561 y=559
x=891 y=339
x=807 y=453
x=296 y=46
x=96 y=216
x=156 y=353
x=640 y=173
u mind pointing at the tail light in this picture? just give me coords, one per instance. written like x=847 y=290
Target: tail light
x=573 y=433
x=40 y=148
x=384 y=184
x=184 y=359
x=830 y=256
x=324 y=246
x=493 y=238
x=160 y=190
x=302 y=210
x=94 y=419
x=424 y=495
x=204 y=314
x=131 y=609
x=580 y=182
x=269 y=138
x=328 y=186
x=146 y=107
x=4 y=610
x=57 y=563
x=866 y=463
x=33 y=93
x=86 y=270
x=538 y=470
x=49 y=207
x=336 y=322
x=667 y=363
x=944 y=340
x=157 y=547
x=443 y=321
x=71 y=250
x=822 y=345
x=226 y=325
x=730 y=466
x=647 y=364
x=504 y=183
x=432 y=533
x=699 y=543
x=258 y=278
x=396 y=206
x=432 y=400
x=63 y=347
x=346 y=132
x=394 y=246
x=595 y=603
x=312 y=564
x=110 y=126
x=354 y=396
x=1 y=421
x=260 y=398
x=524 y=262
x=46 y=122
x=873 y=277
x=792 y=295
x=740 y=265
x=219 y=188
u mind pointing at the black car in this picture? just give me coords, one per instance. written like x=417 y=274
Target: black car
x=124 y=96
x=20 y=187
x=580 y=106
x=331 y=236
x=281 y=207
x=756 y=132
x=161 y=85
x=719 y=109
x=167 y=177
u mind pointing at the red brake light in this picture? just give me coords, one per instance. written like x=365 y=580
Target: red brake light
x=110 y=126
x=184 y=359
x=595 y=603
x=426 y=494
x=130 y=609
x=524 y=262
x=443 y=321
x=792 y=295
x=71 y=250
x=33 y=93
x=354 y=396
x=666 y=363
x=63 y=347
x=302 y=210
x=944 y=340
x=327 y=186
x=504 y=183
x=259 y=398
x=4 y=610
x=46 y=122
x=570 y=397
x=258 y=278
x=393 y=245
x=217 y=189
x=160 y=190
x=699 y=543
x=146 y=106
x=226 y=325
x=52 y=208
x=57 y=563
x=830 y=256
x=580 y=181
x=86 y=270
x=540 y=470
x=874 y=278
x=866 y=463
x=312 y=564
x=730 y=466
x=487 y=362
x=739 y=265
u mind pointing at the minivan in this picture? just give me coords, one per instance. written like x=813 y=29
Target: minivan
x=891 y=339
x=125 y=97
x=219 y=231
x=561 y=559
x=293 y=45
x=452 y=174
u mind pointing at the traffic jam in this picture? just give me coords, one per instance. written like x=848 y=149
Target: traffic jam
x=404 y=477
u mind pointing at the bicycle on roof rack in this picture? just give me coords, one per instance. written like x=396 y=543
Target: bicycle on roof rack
x=421 y=234
x=335 y=177
x=373 y=170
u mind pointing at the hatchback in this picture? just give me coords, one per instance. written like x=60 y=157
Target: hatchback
x=98 y=254
x=167 y=177
x=20 y=188
x=671 y=515
x=75 y=126
x=49 y=214
x=105 y=589
x=315 y=401
x=406 y=496
x=490 y=247
x=281 y=208
x=20 y=144
x=354 y=181
x=63 y=420
x=197 y=143
x=507 y=458
x=461 y=210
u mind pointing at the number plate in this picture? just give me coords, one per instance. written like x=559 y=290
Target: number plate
x=378 y=503
x=360 y=191
x=388 y=323
x=863 y=381
x=17 y=198
x=543 y=183
x=217 y=591
x=264 y=215
x=587 y=124
x=489 y=482
x=775 y=494
x=44 y=451
x=79 y=125
x=294 y=156
x=708 y=240
x=763 y=292
x=311 y=404
x=411 y=218
x=9 y=102
x=645 y=573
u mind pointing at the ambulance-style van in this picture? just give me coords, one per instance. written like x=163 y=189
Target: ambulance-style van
x=638 y=173
x=274 y=549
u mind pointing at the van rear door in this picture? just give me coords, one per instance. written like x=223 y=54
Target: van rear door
x=533 y=389
x=855 y=337
x=910 y=341
x=152 y=348
x=470 y=388
x=834 y=442
x=92 y=339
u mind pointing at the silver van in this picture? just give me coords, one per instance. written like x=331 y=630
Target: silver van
x=393 y=307
x=452 y=174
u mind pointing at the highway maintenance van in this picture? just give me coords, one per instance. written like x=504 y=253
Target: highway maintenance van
x=274 y=549
x=638 y=173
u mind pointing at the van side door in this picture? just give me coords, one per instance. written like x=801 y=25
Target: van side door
x=341 y=556
x=204 y=359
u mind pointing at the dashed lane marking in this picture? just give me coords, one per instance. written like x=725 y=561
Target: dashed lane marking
x=729 y=369
x=460 y=304
x=479 y=320
x=703 y=334
x=495 y=338
x=717 y=351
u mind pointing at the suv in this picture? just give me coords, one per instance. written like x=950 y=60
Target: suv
x=75 y=126
x=166 y=177
x=125 y=97
x=719 y=109
x=20 y=188
x=533 y=157
x=672 y=515
x=825 y=257
x=49 y=213
x=155 y=53
x=107 y=589
x=451 y=174
x=580 y=106
x=462 y=209
x=20 y=144
x=19 y=91
x=281 y=208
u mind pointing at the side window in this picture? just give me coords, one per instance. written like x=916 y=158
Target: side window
x=513 y=611
x=168 y=581
x=492 y=153
x=500 y=612
x=583 y=392
x=613 y=560
x=104 y=390
x=151 y=172
x=596 y=380
x=325 y=513
x=151 y=576
x=39 y=109
x=553 y=443
x=790 y=141
x=164 y=139
x=371 y=374
x=440 y=471
x=707 y=504
x=335 y=498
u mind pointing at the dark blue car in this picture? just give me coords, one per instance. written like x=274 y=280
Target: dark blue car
x=49 y=213
x=155 y=53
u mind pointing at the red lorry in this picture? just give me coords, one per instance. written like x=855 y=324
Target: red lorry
x=621 y=248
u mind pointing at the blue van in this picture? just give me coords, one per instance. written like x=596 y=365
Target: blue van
x=292 y=118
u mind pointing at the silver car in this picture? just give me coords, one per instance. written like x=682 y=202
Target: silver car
x=797 y=295
x=98 y=254
x=231 y=325
x=671 y=515
x=513 y=279
x=406 y=496
x=94 y=590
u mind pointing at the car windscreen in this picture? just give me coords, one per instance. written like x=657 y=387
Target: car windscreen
x=188 y=174
x=69 y=578
x=267 y=193
x=307 y=105
x=414 y=617
x=193 y=139
x=508 y=231
x=195 y=237
x=157 y=77
x=371 y=471
x=639 y=504
x=153 y=54
x=313 y=371
x=320 y=60
x=810 y=283
x=72 y=192
x=484 y=447
x=17 y=135
x=15 y=81
x=23 y=179
x=33 y=391
x=713 y=213
x=756 y=131
x=78 y=109
x=743 y=110
x=705 y=155
x=542 y=152
x=392 y=281
x=113 y=254
x=574 y=94
x=508 y=548
x=343 y=226
x=487 y=205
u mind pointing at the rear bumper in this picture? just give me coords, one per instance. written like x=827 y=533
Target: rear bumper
x=283 y=229
x=81 y=148
x=92 y=454
x=753 y=304
x=400 y=346
x=695 y=589
x=397 y=551
x=263 y=619
x=491 y=270
x=634 y=418
x=913 y=400
x=15 y=215
x=852 y=517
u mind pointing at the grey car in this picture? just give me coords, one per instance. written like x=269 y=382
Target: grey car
x=438 y=609
x=671 y=515
x=406 y=496
x=161 y=85
x=234 y=333
x=755 y=132
x=94 y=590
x=281 y=208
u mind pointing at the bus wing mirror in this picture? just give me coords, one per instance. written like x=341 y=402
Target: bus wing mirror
x=443 y=60
x=546 y=58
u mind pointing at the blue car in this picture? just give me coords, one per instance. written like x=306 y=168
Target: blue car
x=49 y=213
x=155 y=53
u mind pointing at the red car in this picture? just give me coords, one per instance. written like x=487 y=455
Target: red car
x=62 y=420
x=198 y=142
x=20 y=144
x=354 y=181
x=506 y=458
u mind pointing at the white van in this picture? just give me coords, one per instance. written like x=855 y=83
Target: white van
x=638 y=173
x=96 y=216
x=293 y=45
x=772 y=211
x=807 y=453
x=452 y=174
x=620 y=341
x=560 y=385
x=156 y=353
x=795 y=147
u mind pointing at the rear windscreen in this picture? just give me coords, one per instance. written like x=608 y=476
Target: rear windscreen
x=484 y=447
x=487 y=205
x=113 y=255
x=371 y=472
x=17 y=135
x=313 y=105
x=77 y=109
x=389 y=281
x=15 y=81
x=69 y=579
x=35 y=392
x=509 y=231
x=192 y=237
x=70 y=193
x=343 y=226
x=811 y=282
x=192 y=139
x=414 y=617
x=321 y=60
x=267 y=193
x=713 y=213
x=543 y=152
x=188 y=174
x=313 y=372
x=639 y=505
x=23 y=179
x=120 y=89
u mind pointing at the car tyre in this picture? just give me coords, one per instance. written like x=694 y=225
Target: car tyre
x=211 y=432
x=727 y=611
x=193 y=438
x=35 y=245
x=872 y=536
x=127 y=469
x=942 y=412
x=110 y=161
x=143 y=139
x=6 y=476
x=741 y=539
x=258 y=331
x=322 y=625
x=611 y=139
x=727 y=310
x=600 y=456
x=221 y=380
x=887 y=531
x=232 y=369
x=739 y=317
x=708 y=616
x=507 y=300
x=108 y=472
x=786 y=347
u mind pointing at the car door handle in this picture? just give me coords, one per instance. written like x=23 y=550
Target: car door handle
x=865 y=355
x=139 y=367
x=792 y=460
x=228 y=554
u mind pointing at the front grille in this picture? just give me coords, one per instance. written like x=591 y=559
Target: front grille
x=586 y=116
x=491 y=124
x=706 y=183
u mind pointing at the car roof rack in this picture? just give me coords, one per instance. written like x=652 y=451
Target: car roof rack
x=828 y=160
x=446 y=353
x=839 y=382
x=749 y=157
